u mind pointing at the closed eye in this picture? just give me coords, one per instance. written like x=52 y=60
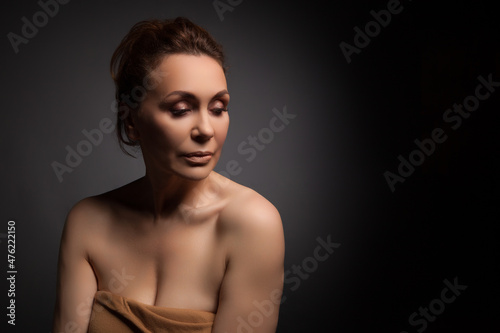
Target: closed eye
x=218 y=111
x=179 y=112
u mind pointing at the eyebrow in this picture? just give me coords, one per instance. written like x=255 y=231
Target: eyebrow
x=188 y=95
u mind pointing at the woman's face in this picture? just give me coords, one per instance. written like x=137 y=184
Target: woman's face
x=182 y=123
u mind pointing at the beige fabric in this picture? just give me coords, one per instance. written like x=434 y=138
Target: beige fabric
x=114 y=313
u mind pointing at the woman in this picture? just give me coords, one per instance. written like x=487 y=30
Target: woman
x=182 y=249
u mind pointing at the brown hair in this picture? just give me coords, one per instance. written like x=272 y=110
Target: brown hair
x=141 y=51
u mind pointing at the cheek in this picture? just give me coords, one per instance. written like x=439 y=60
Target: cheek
x=221 y=131
x=163 y=133
x=176 y=134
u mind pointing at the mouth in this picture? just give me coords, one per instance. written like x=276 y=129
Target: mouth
x=198 y=157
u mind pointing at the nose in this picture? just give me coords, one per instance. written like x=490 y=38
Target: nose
x=202 y=129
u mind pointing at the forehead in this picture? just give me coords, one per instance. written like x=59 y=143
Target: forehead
x=193 y=73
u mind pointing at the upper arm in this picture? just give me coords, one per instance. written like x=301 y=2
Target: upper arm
x=251 y=290
x=76 y=282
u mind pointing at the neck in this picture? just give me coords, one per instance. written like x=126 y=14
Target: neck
x=168 y=191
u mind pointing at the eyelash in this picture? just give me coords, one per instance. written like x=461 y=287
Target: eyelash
x=218 y=111
x=179 y=112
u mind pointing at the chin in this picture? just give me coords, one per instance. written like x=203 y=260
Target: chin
x=197 y=176
x=195 y=172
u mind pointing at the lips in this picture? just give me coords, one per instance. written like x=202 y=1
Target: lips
x=199 y=154
x=198 y=157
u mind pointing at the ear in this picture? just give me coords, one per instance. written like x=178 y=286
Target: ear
x=128 y=115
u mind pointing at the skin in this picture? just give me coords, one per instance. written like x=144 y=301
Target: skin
x=182 y=236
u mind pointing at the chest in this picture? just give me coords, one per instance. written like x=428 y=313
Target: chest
x=176 y=266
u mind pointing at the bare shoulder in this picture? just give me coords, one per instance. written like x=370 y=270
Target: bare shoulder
x=248 y=213
x=82 y=220
x=89 y=217
x=99 y=209
x=87 y=208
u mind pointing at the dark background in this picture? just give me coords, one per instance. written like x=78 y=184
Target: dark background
x=324 y=171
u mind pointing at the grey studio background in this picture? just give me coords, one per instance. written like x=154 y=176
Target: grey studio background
x=354 y=114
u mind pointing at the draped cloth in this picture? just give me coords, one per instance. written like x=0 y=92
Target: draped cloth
x=113 y=313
